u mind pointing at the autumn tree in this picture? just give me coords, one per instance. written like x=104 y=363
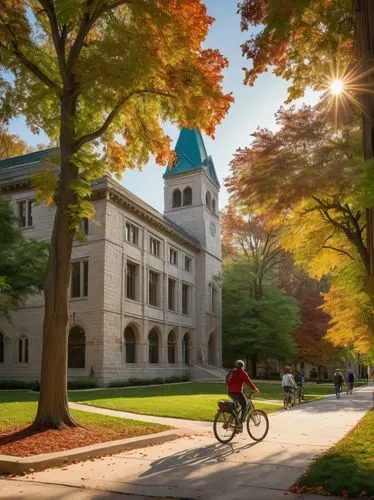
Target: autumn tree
x=247 y=235
x=307 y=177
x=10 y=144
x=252 y=328
x=101 y=77
x=310 y=43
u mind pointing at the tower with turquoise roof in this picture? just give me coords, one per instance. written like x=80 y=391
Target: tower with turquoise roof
x=191 y=200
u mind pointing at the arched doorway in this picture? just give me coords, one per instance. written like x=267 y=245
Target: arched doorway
x=212 y=349
x=172 y=340
x=186 y=348
x=77 y=348
x=153 y=341
x=130 y=345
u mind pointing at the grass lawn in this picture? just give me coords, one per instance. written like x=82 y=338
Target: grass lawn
x=17 y=410
x=348 y=467
x=194 y=401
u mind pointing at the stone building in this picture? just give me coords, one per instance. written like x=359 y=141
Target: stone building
x=144 y=300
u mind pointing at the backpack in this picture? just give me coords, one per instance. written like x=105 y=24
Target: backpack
x=351 y=377
x=337 y=378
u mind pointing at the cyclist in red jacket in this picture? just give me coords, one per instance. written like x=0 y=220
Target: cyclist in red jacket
x=235 y=380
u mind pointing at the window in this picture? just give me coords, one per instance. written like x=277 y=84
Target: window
x=214 y=297
x=154 y=247
x=132 y=233
x=171 y=294
x=177 y=198
x=208 y=199
x=130 y=345
x=187 y=263
x=187 y=196
x=213 y=204
x=1 y=348
x=132 y=273
x=76 y=348
x=173 y=256
x=25 y=213
x=83 y=227
x=185 y=298
x=171 y=347
x=79 y=279
x=154 y=281
x=186 y=349
x=153 y=346
x=23 y=350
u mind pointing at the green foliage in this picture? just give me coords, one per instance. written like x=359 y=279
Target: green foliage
x=256 y=327
x=133 y=382
x=81 y=384
x=22 y=262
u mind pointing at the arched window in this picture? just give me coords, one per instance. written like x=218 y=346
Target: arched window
x=23 y=349
x=177 y=198
x=212 y=349
x=171 y=347
x=213 y=204
x=208 y=199
x=186 y=344
x=130 y=345
x=76 y=348
x=1 y=348
x=187 y=196
x=153 y=346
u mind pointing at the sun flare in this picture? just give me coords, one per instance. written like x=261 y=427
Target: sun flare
x=337 y=87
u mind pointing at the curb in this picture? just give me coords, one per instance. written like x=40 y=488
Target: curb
x=17 y=465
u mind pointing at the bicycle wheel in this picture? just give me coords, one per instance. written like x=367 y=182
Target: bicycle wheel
x=257 y=425
x=224 y=426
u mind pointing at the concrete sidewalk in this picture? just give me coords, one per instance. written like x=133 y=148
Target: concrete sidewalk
x=198 y=467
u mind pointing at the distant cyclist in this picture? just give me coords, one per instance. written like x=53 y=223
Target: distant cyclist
x=289 y=385
x=235 y=380
x=350 y=381
x=299 y=379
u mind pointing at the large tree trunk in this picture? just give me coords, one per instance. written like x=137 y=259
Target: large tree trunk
x=364 y=12
x=254 y=365
x=53 y=410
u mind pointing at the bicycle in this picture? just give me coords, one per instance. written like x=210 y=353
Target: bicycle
x=227 y=421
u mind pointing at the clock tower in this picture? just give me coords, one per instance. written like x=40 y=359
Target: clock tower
x=191 y=200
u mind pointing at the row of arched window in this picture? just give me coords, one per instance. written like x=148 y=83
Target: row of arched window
x=77 y=347
x=184 y=199
x=130 y=346
x=179 y=200
x=22 y=349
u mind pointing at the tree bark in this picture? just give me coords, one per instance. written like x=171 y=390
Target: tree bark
x=364 y=16
x=254 y=365
x=53 y=410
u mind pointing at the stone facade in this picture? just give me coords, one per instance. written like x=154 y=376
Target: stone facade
x=144 y=299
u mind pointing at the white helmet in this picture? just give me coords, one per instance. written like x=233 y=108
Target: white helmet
x=239 y=363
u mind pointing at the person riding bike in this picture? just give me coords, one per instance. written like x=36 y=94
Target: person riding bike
x=288 y=384
x=235 y=380
x=350 y=381
x=338 y=382
x=299 y=379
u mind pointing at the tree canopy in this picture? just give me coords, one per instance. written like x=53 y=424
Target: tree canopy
x=251 y=327
x=304 y=41
x=22 y=263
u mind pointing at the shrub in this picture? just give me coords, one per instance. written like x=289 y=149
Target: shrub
x=157 y=380
x=16 y=384
x=81 y=384
x=137 y=381
x=119 y=383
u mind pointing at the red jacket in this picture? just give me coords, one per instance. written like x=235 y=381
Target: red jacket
x=235 y=380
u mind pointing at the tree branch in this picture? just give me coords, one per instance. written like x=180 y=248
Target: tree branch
x=339 y=250
x=112 y=115
x=25 y=61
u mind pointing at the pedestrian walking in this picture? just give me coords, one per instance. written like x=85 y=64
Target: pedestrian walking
x=338 y=382
x=350 y=381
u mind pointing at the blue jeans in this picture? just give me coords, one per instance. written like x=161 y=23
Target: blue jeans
x=240 y=398
x=337 y=390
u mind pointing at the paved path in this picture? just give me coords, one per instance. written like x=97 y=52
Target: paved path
x=197 y=467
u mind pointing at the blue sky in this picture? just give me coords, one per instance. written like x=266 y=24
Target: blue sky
x=254 y=107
